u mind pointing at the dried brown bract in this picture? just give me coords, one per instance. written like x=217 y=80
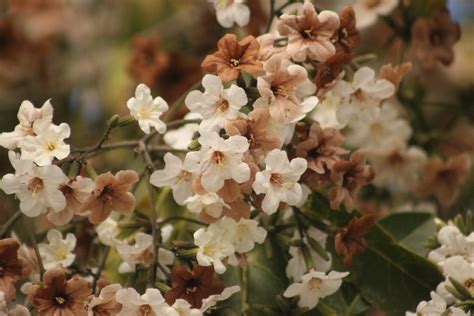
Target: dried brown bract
x=233 y=56
x=111 y=194
x=193 y=286
x=350 y=240
x=348 y=178
x=56 y=296
x=433 y=39
x=444 y=178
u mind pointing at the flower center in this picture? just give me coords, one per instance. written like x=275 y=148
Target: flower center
x=276 y=179
x=218 y=157
x=395 y=159
x=234 y=62
x=307 y=34
x=145 y=310
x=436 y=37
x=222 y=105
x=359 y=95
x=184 y=176
x=51 y=145
x=106 y=195
x=60 y=300
x=281 y=91
x=314 y=283
x=469 y=284
x=372 y=3
x=35 y=185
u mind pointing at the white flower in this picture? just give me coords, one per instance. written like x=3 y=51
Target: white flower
x=150 y=303
x=107 y=231
x=326 y=112
x=376 y=131
x=242 y=234
x=461 y=270
x=27 y=116
x=174 y=176
x=296 y=267
x=367 y=11
x=213 y=247
x=181 y=137
x=453 y=243
x=218 y=160
x=216 y=104
x=36 y=187
x=397 y=167
x=361 y=97
x=229 y=12
x=315 y=285
x=211 y=203
x=142 y=253
x=185 y=309
x=106 y=296
x=279 y=181
x=76 y=192
x=146 y=110
x=58 y=252
x=212 y=300
x=437 y=306
x=47 y=143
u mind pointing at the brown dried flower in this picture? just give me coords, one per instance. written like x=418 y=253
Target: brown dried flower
x=327 y=72
x=395 y=74
x=257 y=129
x=111 y=194
x=309 y=35
x=347 y=36
x=350 y=240
x=11 y=266
x=321 y=148
x=56 y=296
x=193 y=286
x=146 y=61
x=233 y=56
x=443 y=179
x=349 y=177
x=433 y=39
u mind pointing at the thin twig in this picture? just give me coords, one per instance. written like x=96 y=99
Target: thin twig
x=180 y=218
x=270 y=16
x=100 y=268
x=153 y=220
x=10 y=222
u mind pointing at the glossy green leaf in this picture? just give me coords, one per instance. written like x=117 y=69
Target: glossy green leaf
x=412 y=230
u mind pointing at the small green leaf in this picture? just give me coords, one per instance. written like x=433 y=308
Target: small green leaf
x=462 y=291
x=316 y=246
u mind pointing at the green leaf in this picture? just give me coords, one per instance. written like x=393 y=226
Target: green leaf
x=261 y=281
x=411 y=230
x=388 y=275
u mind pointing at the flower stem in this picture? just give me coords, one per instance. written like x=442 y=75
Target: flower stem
x=31 y=233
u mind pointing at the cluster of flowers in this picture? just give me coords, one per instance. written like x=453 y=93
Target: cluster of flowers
x=260 y=141
x=455 y=257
